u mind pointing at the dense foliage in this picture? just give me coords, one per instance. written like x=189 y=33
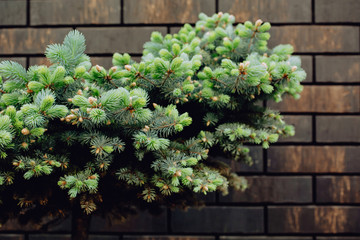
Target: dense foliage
x=141 y=130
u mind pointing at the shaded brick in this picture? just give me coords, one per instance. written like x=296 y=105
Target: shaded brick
x=74 y=12
x=14 y=225
x=337 y=68
x=21 y=60
x=49 y=236
x=321 y=159
x=237 y=166
x=174 y=30
x=105 y=62
x=12 y=237
x=175 y=237
x=228 y=220
x=118 y=39
x=273 y=189
x=338 y=128
x=166 y=11
x=63 y=225
x=103 y=237
x=141 y=222
x=29 y=40
x=338 y=238
x=303 y=128
x=274 y=11
x=306 y=64
x=314 y=219
x=263 y=238
x=39 y=61
x=13 y=12
x=334 y=99
x=317 y=38
x=341 y=189
x=337 y=11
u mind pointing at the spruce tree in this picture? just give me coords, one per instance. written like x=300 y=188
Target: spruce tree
x=82 y=139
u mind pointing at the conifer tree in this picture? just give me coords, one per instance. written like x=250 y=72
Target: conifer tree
x=84 y=139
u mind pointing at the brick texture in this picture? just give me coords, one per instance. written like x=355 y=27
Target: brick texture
x=174 y=237
x=303 y=128
x=228 y=220
x=13 y=12
x=257 y=156
x=338 y=238
x=39 y=61
x=142 y=222
x=306 y=64
x=339 y=189
x=166 y=11
x=263 y=238
x=319 y=159
x=328 y=11
x=12 y=237
x=275 y=11
x=311 y=219
x=74 y=12
x=29 y=40
x=338 y=69
x=334 y=99
x=305 y=187
x=317 y=38
x=273 y=189
x=21 y=60
x=115 y=39
x=49 y=236
x=338 y=129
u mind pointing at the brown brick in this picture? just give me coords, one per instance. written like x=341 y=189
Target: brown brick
x=338 y=68
x=49 y=236
x=263 y=238
x=218 y=220
x=303 y=128
x=13 y=225
x=174 y=30
x=306 y=64
x=141 y=222
x=12 y=237
x=331 y=99
x=338 y=238
x=118 y=39
x=103 y=237
x=21 y=60
x=273 y=189
x=106 y=62
x=338 y=128
x=166 y=11
x=275 y=11
x=13 y=12
x=340 y=189
x=29 y=40
x=39 y=61
x=175 y=237
x=337 y=11
x=237 y=166
x=74 y=12
x=314 y=219
x=317 y=38
x=321 y=159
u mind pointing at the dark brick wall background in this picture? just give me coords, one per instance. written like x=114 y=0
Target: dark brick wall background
x=306 y=187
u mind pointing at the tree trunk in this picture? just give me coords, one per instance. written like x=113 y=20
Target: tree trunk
x=80 y=223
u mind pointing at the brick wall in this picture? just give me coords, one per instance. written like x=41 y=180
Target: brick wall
x=307 y=187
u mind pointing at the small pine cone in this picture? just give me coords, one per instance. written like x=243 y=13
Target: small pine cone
x=25 y=131
x=258 y=23
x=128 y=67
